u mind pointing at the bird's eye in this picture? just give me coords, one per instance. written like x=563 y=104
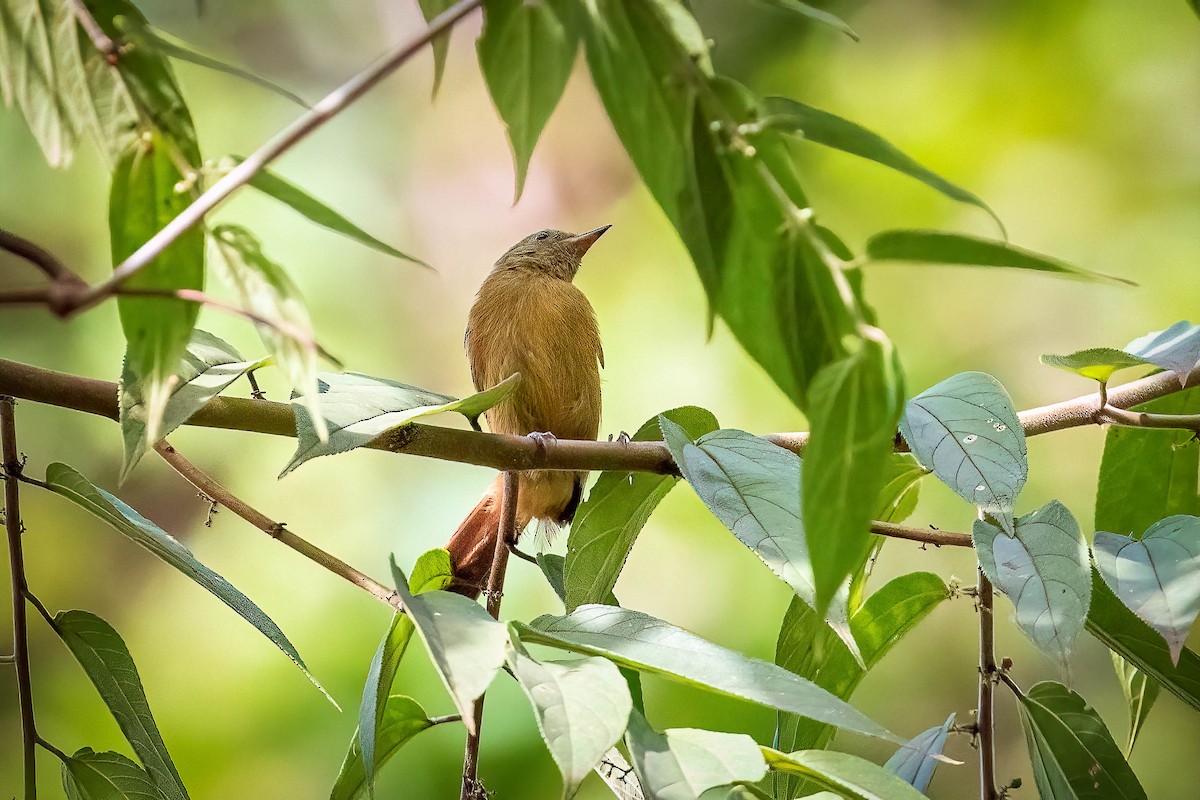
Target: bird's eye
x=543 y=235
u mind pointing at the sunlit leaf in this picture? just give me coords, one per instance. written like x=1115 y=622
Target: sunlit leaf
x=1141 y=691
x=402 y=718
x=636 y=640
x=855 y=403
x=466 y=645
x=89 y=775
x=63 y=480
x=684 y=763
x=915 y=762
x=102 y=653
x=608 y=522
x=209 y=366
x=901 y=487
x=965 y=430
x=1097 y=363
x=1043 y=568
x=619 y=777
x=753 y=488
x=1073 y=754
x=1157 y=575
x=582 y=707
x=942 y=247
x=526 y=52
x=359 y=408
x=1177 y=348
x=849 y=776
x=812 y=12
x=143 y=199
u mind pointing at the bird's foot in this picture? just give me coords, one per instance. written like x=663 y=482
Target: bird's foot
x=621 y=438
x=543 y=439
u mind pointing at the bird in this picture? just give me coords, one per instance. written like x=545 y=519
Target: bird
x=529 y=317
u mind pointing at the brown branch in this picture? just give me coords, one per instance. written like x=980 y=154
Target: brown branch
x=924 y=535
x=276 y=530
x=12 y=523
x=1134 y=419
x=100 y=40
x=472 y=789
x=985 y=719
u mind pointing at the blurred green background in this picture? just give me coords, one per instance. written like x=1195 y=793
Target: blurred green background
x=1077 y=122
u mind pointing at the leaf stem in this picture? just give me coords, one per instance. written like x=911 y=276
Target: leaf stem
x=100 y=40
x=12 y=466
x=985 y=718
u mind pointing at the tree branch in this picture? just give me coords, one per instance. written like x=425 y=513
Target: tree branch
x=100 y=40
x=984 y=719
x=12 y=523
x=276 y=530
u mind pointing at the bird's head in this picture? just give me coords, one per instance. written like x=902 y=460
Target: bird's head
x=554 y=252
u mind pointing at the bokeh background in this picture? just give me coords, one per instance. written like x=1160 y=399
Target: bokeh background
x=1077 y=122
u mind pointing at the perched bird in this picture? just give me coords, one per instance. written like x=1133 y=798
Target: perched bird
x=528 y=317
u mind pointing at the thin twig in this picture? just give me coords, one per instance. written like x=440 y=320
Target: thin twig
x=276 y=530
x=924 y=535
x=472 y=789
x=985 y=718
x=12 y=523
x=333 y=104
x=100 y=40
x=1135 y=419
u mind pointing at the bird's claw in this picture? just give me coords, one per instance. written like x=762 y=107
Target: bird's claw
x=622 y=438
x=543 y=439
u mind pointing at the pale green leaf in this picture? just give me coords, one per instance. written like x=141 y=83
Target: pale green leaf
x=684 y=763
x=1177 y=348
x=89 y=775
x=1097 y=363
x=1141 y=691
x=849 y=776
x=916 y=761
x=401 y=719
x=901 y=488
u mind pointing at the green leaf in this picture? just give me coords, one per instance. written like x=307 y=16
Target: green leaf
x=402 y=718
x=1044 y=570
x=89 y=775
x=466 y=645
x=639 y=641
x=431 y=573
x=618 y=775
x=965 y=430
x=359 y=408
x=314 y=210
x=102 y=653
x=850 y=776
x=1097 y=363
x=172 y=46
x=902 y=483
x=582 y=707
x=812 y=12
x=1177 y=349
x=144 y=199
x=267 y=292
x=855 y=405
x=808 y=648
x=209 y=366
x=1073 y=754
x=684 y=763
x=916 y=761
x=753 y=487
x=1141 y=691
x=608 y=522
x=941 y=247
x=441 y=43
x=63 y=480
x=830 y=130
x=526 y=52
x=1157 y=575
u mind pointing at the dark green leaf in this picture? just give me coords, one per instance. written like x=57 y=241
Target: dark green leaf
x=915 y=762
x=1141 y=691
x=313 y=209
x=1097 y=363
x=753 y=487
x=1044 y=570
x=850 y=776
x=582 y=707
x=812 y=12
x=89 y=775
x=855 y=403
x=401 y=719
x=684 y=763
x=965 y=430
x=157 y=329
x=63 y=480
x=209 y=366
x=525 y=53
x=359 y=408
x=830 y=130
x=1073 y=754
x=636 y=640
x=608 y=522
x=1156 y=575
x=441 y=43
x=1177 y=348
x=102 y=653
x=941 y=247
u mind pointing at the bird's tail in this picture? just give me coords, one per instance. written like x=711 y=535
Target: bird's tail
x=473 y=545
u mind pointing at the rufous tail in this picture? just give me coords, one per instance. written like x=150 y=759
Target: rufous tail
x=473 y=545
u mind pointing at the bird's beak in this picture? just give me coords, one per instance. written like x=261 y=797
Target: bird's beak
x=584 y=241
